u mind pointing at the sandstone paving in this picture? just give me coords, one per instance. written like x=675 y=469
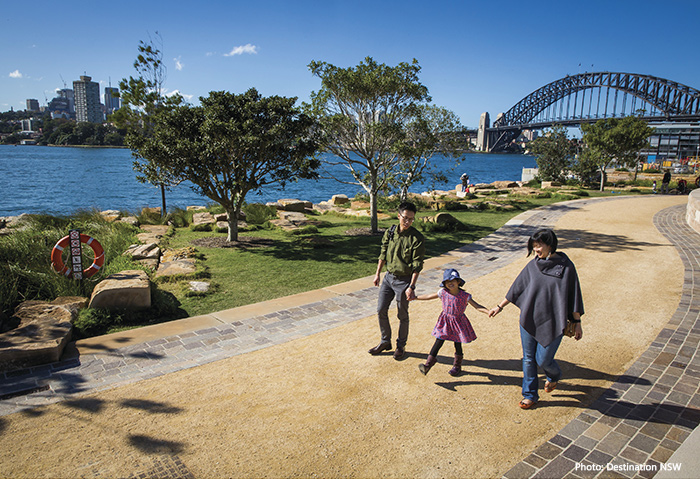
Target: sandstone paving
x=291 y=392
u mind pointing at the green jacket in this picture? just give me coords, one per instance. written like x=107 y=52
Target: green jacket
x=405 y=251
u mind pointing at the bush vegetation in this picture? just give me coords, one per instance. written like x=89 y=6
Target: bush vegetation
x=271 y=263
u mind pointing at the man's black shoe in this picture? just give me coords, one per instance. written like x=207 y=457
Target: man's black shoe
x=399 y=353
x=379 y=348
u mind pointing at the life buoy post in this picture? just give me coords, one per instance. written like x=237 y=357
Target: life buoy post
x=74 y=268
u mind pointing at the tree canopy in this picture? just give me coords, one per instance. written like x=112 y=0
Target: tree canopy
x=361 y=113
x=232 y=145
x=429 y=131
x=554 y=153
x=615 y=139
x=142 y=98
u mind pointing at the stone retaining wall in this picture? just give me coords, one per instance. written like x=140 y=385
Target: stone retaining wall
x=692 y=212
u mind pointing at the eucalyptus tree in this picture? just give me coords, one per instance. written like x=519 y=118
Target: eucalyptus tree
x=615 y=139
x=554 y=153
x=430 y=131
x=232 y=145
x=361 y=113
x=142 y=97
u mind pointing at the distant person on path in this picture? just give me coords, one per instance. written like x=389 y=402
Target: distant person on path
x=665 y=181
x=452 y=324
x=548 y=293
x=402 y=251
x=465 y=182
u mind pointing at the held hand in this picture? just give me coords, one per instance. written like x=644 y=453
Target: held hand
x=494 y=312
x=578 y=331
x=410 y=294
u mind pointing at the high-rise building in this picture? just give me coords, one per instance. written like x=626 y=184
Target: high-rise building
x=87 y=100
x=32 y=104
x=111 y=101
x=68 y=94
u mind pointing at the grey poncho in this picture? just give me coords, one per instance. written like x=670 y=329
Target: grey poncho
x=547 y=291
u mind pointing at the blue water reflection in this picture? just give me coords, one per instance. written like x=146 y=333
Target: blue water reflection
x=35 y=179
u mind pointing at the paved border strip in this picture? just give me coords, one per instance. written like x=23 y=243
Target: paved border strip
x=635 y=426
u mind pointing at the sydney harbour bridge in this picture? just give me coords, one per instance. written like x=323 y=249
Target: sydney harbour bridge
x=587 y=98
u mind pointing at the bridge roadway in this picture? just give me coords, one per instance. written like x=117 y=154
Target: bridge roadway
x=286 y=388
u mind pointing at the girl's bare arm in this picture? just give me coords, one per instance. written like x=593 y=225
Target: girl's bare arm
x=427 y=296
x=478 y=307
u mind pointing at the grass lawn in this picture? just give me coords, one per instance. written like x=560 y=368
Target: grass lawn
x=295 y=263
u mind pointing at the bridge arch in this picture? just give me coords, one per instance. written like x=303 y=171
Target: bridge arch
x=661 y=100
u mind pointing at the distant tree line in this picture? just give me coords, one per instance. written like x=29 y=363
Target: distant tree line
x=59 y=131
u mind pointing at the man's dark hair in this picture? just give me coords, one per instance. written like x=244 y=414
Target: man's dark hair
x=544 y=236
x=407 y=206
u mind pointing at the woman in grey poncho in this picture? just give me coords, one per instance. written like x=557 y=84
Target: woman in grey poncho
x=548 y=293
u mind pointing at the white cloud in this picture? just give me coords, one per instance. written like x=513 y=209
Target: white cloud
x=240 y=50
x=178 y=64
x=178 y=92
x=16 y=74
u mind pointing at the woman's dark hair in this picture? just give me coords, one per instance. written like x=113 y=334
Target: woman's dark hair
x=544 y=236
x=407 y=206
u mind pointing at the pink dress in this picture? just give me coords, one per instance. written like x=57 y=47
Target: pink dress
x=453 y=324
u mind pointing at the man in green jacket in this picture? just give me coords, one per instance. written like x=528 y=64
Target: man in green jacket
x=403 y=250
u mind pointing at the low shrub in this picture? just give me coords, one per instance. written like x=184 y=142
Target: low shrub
x=257 y=214
x=430 y=227
x=202 y=227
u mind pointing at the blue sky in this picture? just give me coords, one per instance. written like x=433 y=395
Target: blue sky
x=475 y=56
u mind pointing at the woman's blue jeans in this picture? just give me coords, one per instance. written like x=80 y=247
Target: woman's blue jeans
x=534 y=354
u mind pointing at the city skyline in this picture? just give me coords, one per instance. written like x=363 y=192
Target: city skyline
x=475 y=57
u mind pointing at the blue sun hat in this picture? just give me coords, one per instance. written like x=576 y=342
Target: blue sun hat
x=449 y=274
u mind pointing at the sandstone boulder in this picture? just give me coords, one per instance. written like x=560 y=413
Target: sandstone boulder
x=357 y=205
x=180 y=253
x=203 y=218
x=199 y=286
x=445 y=218
x=152 y=211
x=44 y=329
x=504 y=184
x=153 y=233
x=130 y=289
x=294 y=205
x=131 y=220
x=143 y=251
x=184 y=266
x=550 y=184
x=339 y=199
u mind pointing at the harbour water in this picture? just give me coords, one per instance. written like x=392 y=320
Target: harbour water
x=40 y=179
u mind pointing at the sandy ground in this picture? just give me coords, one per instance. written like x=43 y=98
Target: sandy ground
x=322 y=407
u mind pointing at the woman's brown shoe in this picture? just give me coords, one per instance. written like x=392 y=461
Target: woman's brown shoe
x=549 y=387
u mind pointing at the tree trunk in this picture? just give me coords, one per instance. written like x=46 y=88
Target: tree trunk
x=374 y=224
x=163 y=212
x=232 y=224
x=602 y=179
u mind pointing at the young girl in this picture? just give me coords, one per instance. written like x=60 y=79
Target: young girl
x=453 y=324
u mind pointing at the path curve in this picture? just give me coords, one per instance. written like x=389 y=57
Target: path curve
x=292 y=392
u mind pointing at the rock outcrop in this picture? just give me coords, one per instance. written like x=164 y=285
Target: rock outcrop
x=43 y=331
x=130 y=289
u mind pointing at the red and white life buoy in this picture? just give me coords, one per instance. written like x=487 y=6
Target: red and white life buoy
x=57 y=253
